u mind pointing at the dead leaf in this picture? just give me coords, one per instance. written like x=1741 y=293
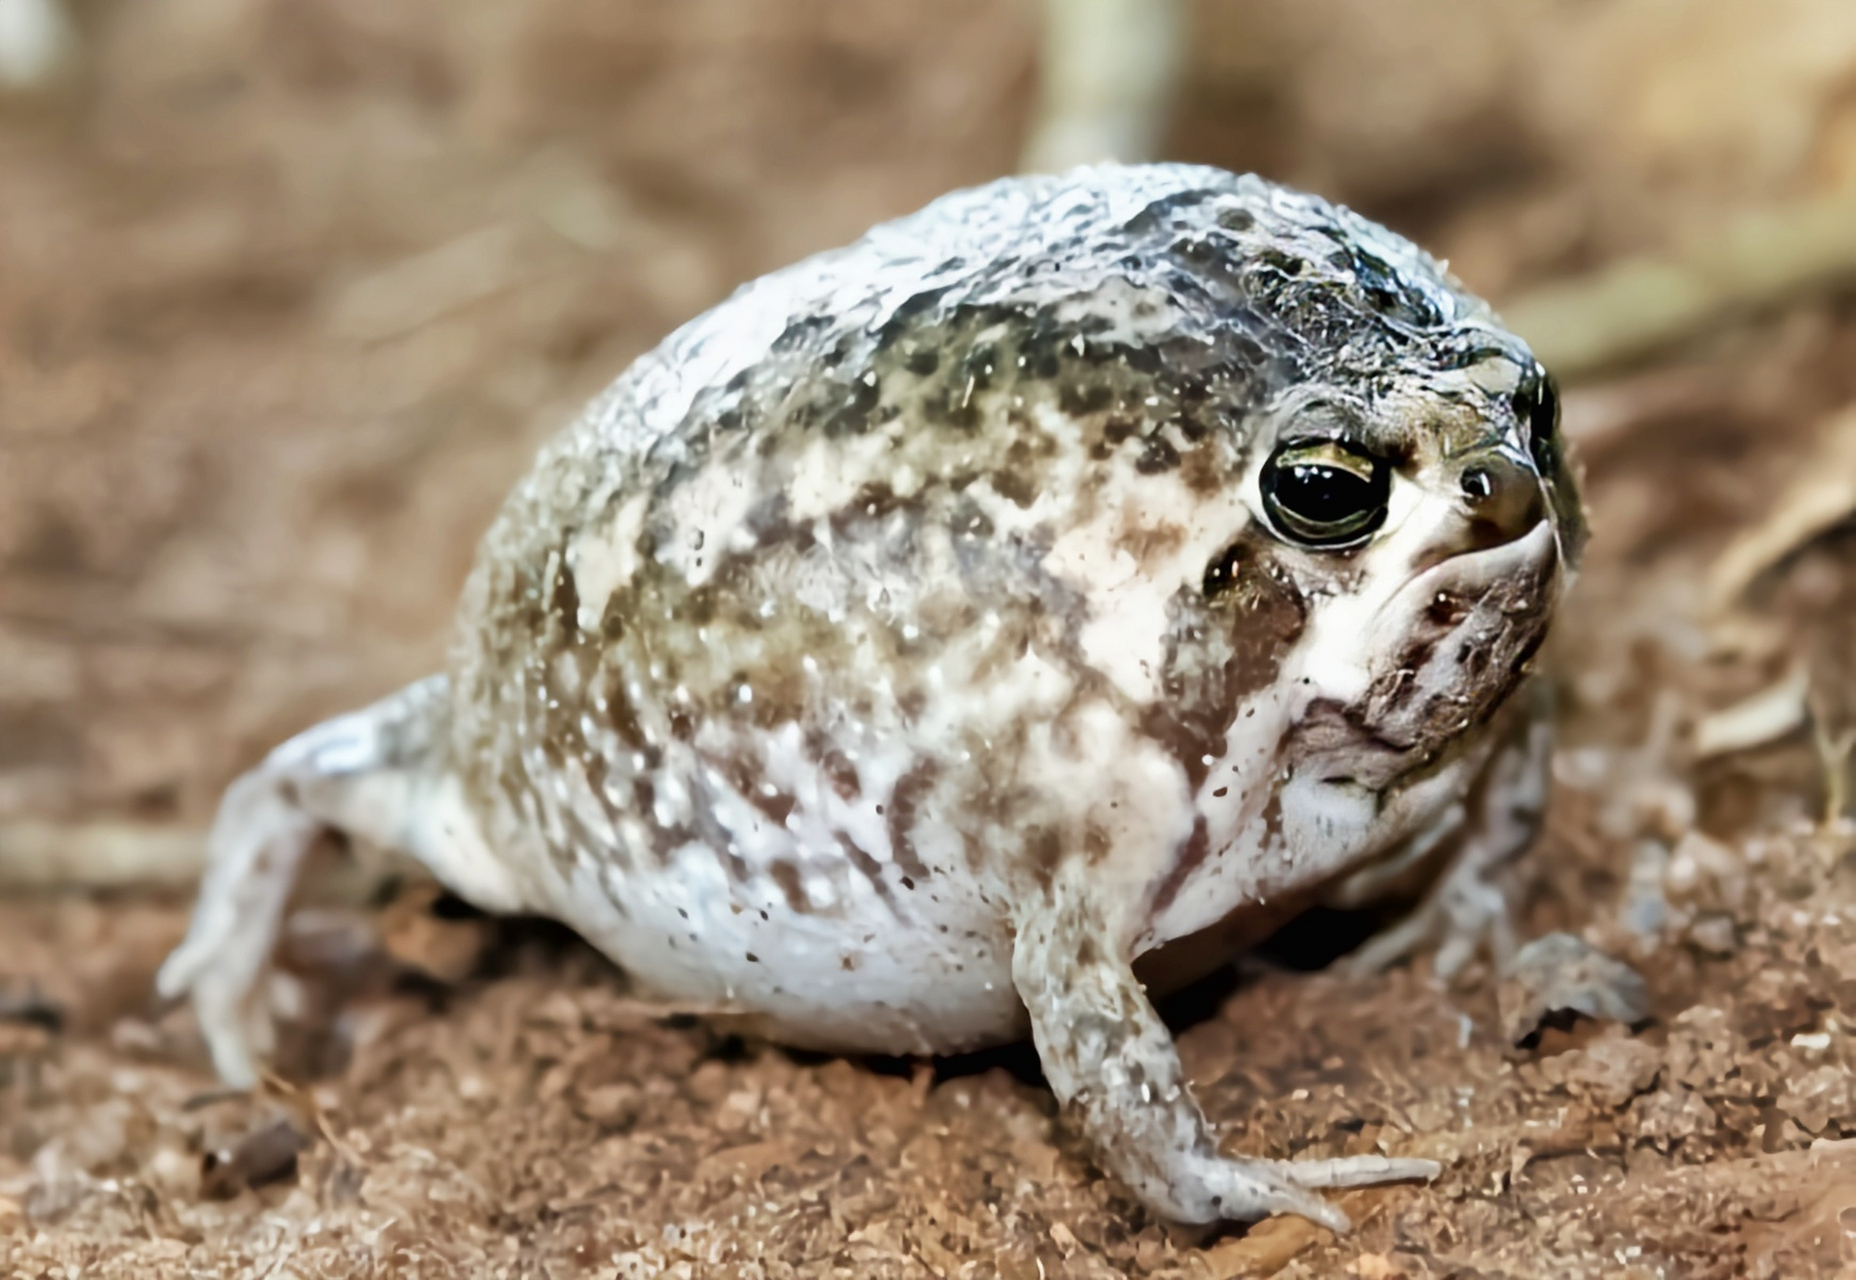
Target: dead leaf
x=1818 y=498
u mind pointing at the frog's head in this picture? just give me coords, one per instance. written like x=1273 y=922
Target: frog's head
x=1417 y=507
x=1428 y=533
x=1410 y=523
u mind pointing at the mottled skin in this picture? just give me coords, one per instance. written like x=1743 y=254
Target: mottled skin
x=903 y=649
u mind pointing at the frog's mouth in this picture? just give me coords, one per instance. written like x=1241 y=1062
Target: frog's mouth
x=1461 y=634
x=1448 y=647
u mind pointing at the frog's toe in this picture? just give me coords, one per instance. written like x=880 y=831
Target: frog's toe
x=1248 y=1189
x=1461 y=921
x=1395 y=944
x=233 y=1018
x=1358 y=1171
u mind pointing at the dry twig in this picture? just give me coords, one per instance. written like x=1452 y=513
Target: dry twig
x=1632 y=308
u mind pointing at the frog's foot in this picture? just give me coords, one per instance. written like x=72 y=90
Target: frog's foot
x=1112 y=1062
x=257 y=845
x=1207 y=1189
x=361 y=774
x=1466 y=908
x=1461 y=916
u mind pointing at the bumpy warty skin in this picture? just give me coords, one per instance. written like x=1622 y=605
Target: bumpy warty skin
x=927 y=571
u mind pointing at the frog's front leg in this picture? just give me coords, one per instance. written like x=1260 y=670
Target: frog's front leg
x=375 y=774
x=1466 y=906
x=1111 y=1061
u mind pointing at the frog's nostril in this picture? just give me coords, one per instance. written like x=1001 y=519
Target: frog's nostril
x=1478 y=484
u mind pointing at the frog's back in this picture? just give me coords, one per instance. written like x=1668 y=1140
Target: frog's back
x=1116 y=257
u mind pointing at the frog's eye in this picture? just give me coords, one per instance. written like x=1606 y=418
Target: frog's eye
x=1325 y=493
x=1537 y=403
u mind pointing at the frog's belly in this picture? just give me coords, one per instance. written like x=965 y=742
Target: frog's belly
x=930 y=972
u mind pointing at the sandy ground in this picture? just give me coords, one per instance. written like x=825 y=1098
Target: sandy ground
x=290 y=293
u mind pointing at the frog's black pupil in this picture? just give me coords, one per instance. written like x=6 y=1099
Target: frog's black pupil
x=1323 y=494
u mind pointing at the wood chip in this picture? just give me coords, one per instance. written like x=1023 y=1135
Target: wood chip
x=265 y=1155
x=1264 y=1250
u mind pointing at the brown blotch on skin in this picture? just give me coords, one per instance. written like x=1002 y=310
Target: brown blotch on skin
x=900 y=815
x=839 y=770
x=779 y=690
x=872 y=502
x=1261 y=612
x=1205 y=469
x=698 y=607
x=566 y=598
x=741 y=774
x=1187 y=858
x=770 y=521
x=778 y=806
x=786 y=875
x=1219 y=652
x=912 y=702
x=1043 y=853
x=1153 y=542
x=871 y=870
x=1015 y=487
x=621 y=715
x=612 y=621
x=1077 y=399
x=1117 y=430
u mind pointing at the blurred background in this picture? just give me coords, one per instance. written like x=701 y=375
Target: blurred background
x=290 y=290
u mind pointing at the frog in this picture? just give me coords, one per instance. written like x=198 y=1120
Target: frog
x=975 y=631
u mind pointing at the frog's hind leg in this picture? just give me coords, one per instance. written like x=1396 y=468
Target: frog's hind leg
x=376 y=774
x=1112 y=1062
